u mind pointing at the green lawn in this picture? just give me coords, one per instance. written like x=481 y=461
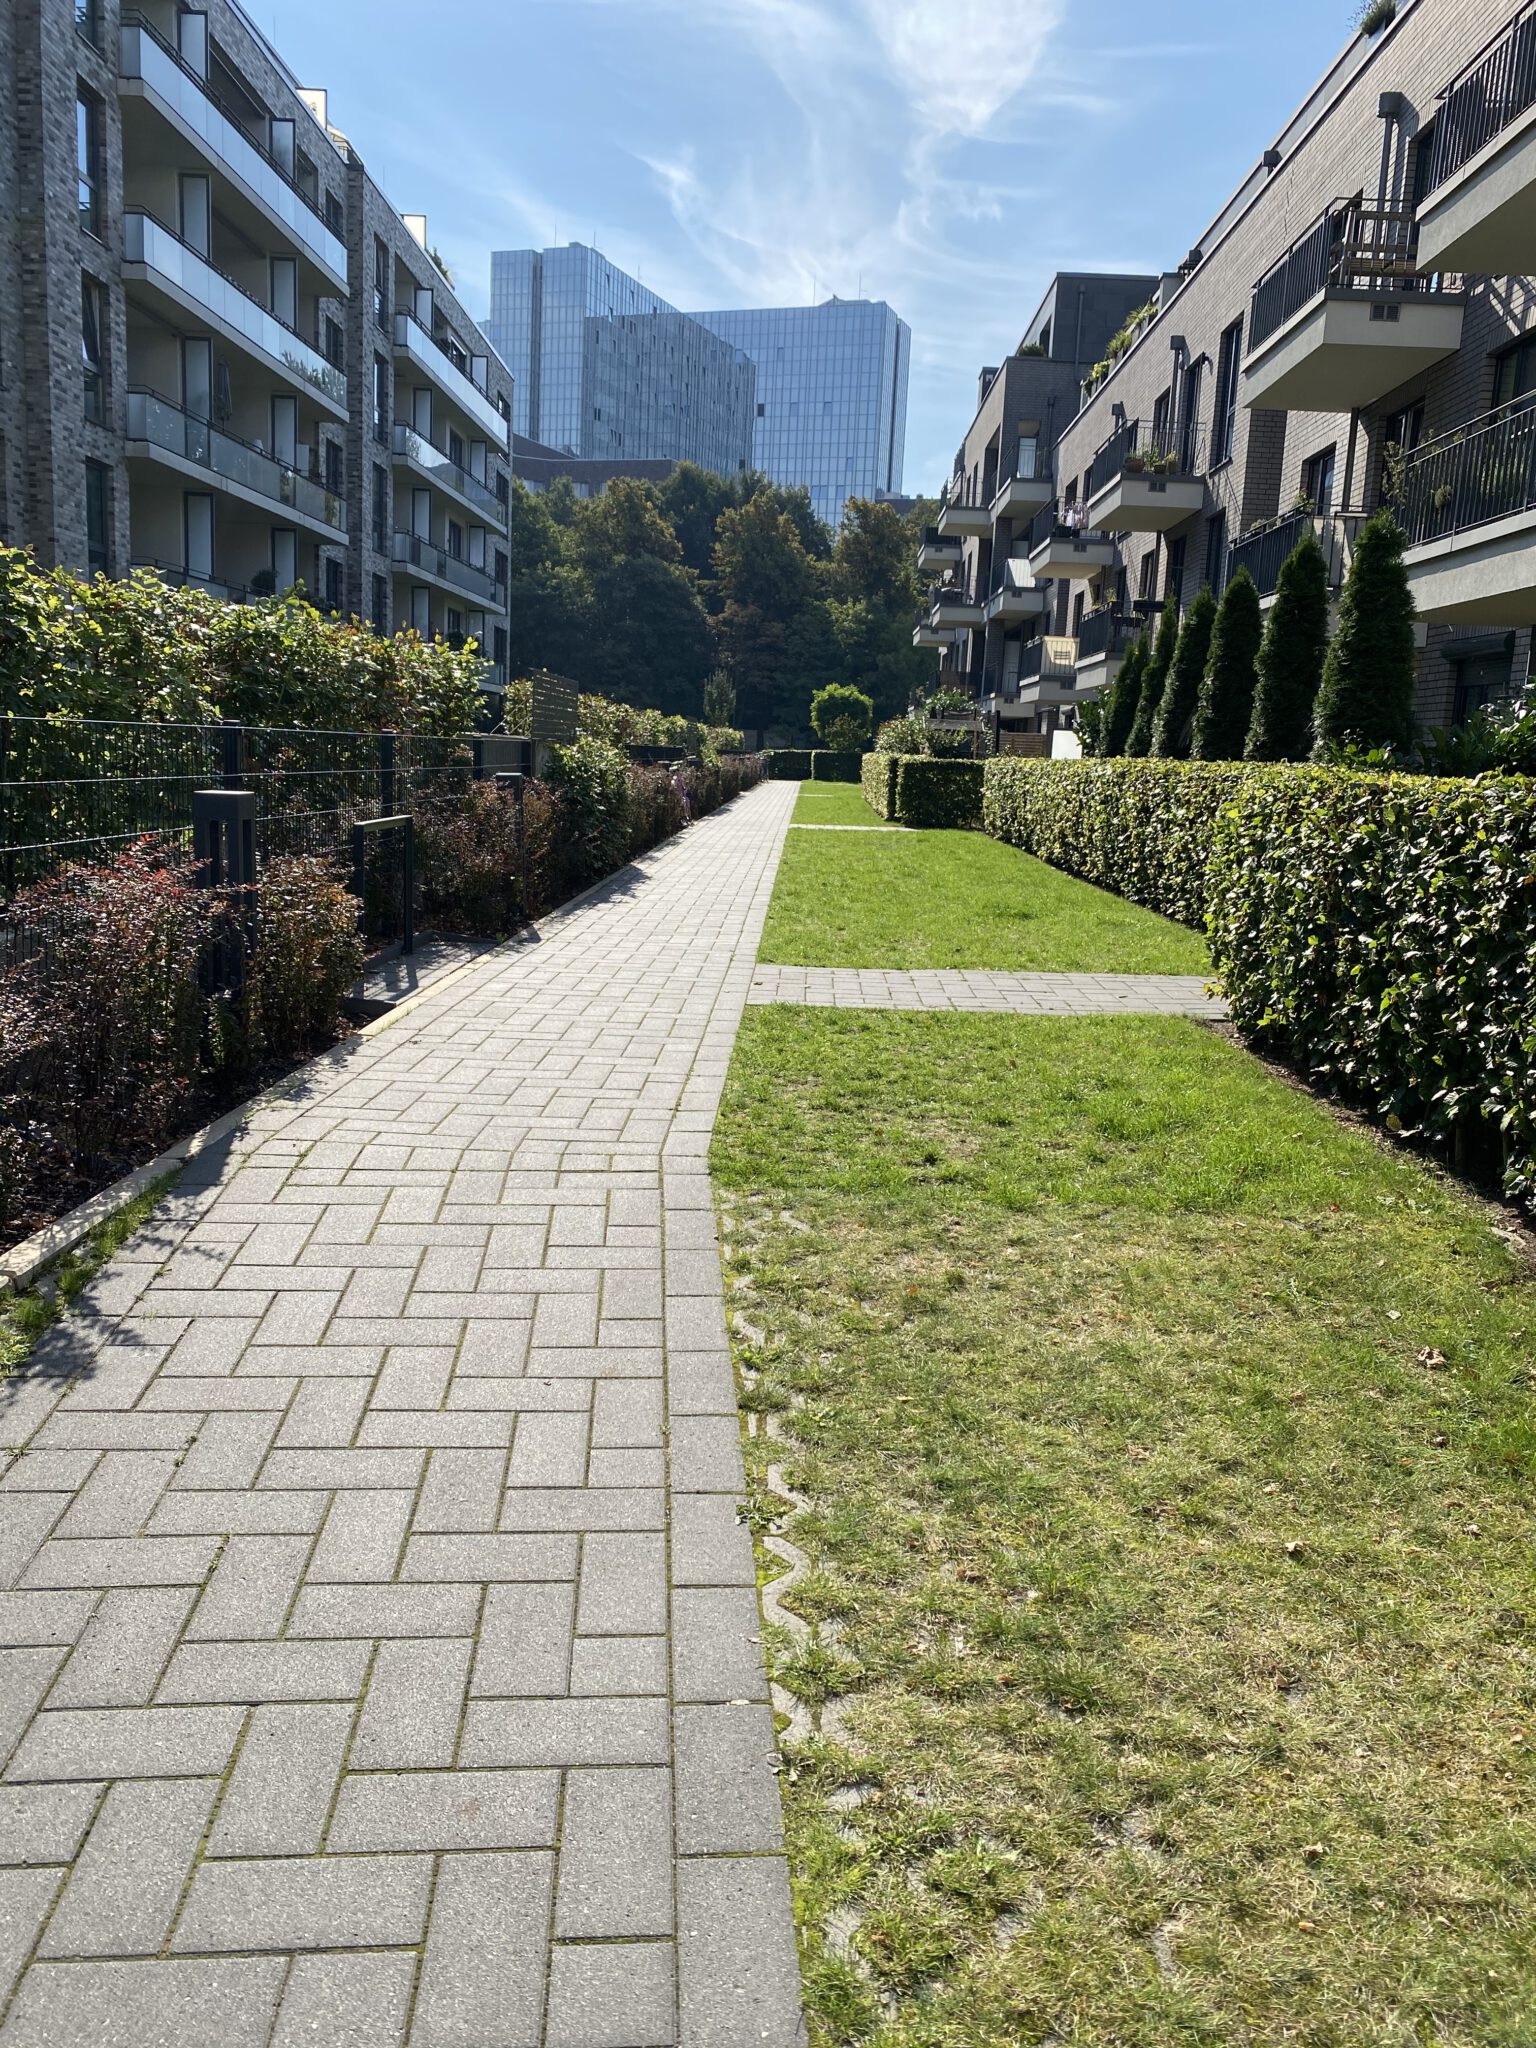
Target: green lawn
x=956 y=899
x=833 y=803
x=1170 y=1452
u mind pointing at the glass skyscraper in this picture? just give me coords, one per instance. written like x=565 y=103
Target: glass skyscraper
x=607 y=370
x=831 y=396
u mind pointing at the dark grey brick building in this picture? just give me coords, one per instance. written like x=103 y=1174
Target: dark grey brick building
x=194 y=372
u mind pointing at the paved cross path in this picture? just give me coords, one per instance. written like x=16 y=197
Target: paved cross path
x=985 y=988
x=383 y=1648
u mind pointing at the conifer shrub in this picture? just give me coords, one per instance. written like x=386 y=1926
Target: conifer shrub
x=1154 y=681
x=1175 y=718
x=1366 y=698
x=1124 y=699
x=1224 y=710
x=1289 y=666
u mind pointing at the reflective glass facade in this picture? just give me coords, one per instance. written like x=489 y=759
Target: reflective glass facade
x=606 y=369
x=831 y=396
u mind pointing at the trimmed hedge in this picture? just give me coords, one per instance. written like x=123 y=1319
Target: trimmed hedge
x=877 y=779
x=1139 y=827
x=938 y=794
x=787 y=764
x=832 y=764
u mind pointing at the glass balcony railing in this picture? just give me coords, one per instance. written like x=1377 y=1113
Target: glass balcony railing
x=414 y=447
x=415 y=342
x=143 y=56
x=163 y=424
x=150 y=242
x=413 y=552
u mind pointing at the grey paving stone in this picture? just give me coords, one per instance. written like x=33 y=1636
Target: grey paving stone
x=232 y=1513
x=371 y=1469
x=579 y=1508
x=462 y=1492
x=324 y=1415
x=346 y=2001
x=549 y=1450
x=252 y=1589
x=25 y=1519
x=305 y=1902
x=385 y=1611
x=25 y=1676
x=717 y=1644
x=706 y=1454
x=44 y=1823
x=738 y=1973
x=281 y=1788
x=138 y=1561
x=623 y=1590
x=124 y=1889
x=482 y=1978
x=701 y=1383
x=25 y=1896
x=415 y=1377
x=525 y=1641
x=467 y=1430
x=47 y=1471
x=613 y=1995
x=725 y=1785
x=362 y=1539
x=615 y=1869
x=130 y=1742
x=123 y=1651
x=252 y=1672
x=410 y=1718
x=618 y=1665
x=466 y=1558
x=711 y=1546
x=117 y=1498
x=200 y=1394
x=295 y=1318
x=564 y=1732
x=446 y=1810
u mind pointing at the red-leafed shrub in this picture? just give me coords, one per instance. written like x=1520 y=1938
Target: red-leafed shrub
x=467 y=860
x=306 y=955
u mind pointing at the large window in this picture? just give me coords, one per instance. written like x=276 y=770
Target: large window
x=380 y=399
x=1216 y=553
x=88 y=160
x=380 y=608
x=380 y=510
x=92 y=337
x=1317 y=481
x=1173 y=589
x=1514 y=373
x=88 y=20
x=381 y=281
x=97 y=521
x=1228 y=366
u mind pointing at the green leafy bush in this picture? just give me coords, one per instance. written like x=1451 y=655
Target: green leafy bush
x=592 y=777
x=902 y=736
x=877 y=779
x=937 y=793
x=841 y=717
x=1140 y=828
x=787 y=764
x=1376 y=930
x=829 y=764
x=307 y=955
x=657 y=807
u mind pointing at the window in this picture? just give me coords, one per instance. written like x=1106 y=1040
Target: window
x=92 y=329
x=97 y=551
x=1162 y=409
x=1228 y=366
x=333 y=583
x=335 y=343
x=455 y=540
x=380 y=281
x=1216 y=553
x=1189 y=419
x=335 y=214
x=1146 y=574
x=455 y=449
x=1514 y=372
x=380 y=510
x=88 y=20
x=1405 y=429
x=380 y=399
x=501 y=567
x=88 y=160
x=333 y=482
x=1317 y=482
x=503 y=493
x=761 y=410
x=380 y=606
x=499 y=644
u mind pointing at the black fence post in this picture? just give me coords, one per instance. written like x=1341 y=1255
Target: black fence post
x=233 y=738
x=5 y=805
x=386 y=774
x=408 y=866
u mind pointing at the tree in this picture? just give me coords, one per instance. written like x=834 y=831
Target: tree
x=875 y=651
x=1366 y=698
x=1225 y=707
x=1123 y=697
x=841 y=717
x=625 y=524
x=1154 y=681
x=1181 y=692
x=691 y=501
x=1290 y=660
x=874 y=557
x=775 y=646
x=719 y=698
x=649 y=639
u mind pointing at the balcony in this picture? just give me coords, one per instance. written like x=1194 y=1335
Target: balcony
x=419 y=349
x=1478 y=212
x=961 y=518
x=1070 y=551
x=938 y=551
x=1104 y=638
x=926 y=634
x=424 y=558
x=194 y=448
x=1263 y=554
x=165 y=263
x=953 y=604
x=1138 y=484
x=1343 y=317
x=1047 y=671
x=152 y=74
x=1016 y=596
x=436 y=466
x=1468 y=507
x=184 y=579
x=1022 y=492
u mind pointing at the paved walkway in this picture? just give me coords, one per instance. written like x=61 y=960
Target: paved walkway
x=975 y=988
x=385 y=1652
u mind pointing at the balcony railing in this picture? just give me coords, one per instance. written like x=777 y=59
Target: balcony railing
x=412 y=551
x=1053 y=520
x=150 y=242
x=163 y=424
x=186 y=579
x=1351 y=247
x=466 y=394
x=1105 y=631
x=1049 y=658
x=440 y=465
x=1264 y=554
x=1496 y=88
x=1481 y=472
x=144 y=54
x=1140 y=447
x=952 y=597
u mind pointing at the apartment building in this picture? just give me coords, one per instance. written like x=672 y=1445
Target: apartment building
x=1352 y=328
x=195 y=374
x=988 y=614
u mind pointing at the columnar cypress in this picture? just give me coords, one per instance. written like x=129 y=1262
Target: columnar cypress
x=1181 y=692
x=1290 y=663
x=1154 y=681
x=1366 y=699
x=1124 y=697
x=1225 y=706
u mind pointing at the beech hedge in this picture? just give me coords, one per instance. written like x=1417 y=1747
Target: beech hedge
x=938 y=794
x=835 y=764
x=877 y=779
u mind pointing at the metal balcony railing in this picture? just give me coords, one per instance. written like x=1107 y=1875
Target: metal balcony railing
x=1477 y=473
x=1141 y=446
x=1051 y=520
x=1351 y=247
x=1495 y=89
x=1264 y=554
x=952 y=597
x=1105 y=631
x=1049 y=658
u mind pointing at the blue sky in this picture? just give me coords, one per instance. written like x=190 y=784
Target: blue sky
x=946 y=155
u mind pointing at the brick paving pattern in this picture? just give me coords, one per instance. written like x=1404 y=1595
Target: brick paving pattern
x=967 y=988
x=383 y=1655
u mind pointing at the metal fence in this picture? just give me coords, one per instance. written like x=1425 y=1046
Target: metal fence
x=1483 y=471
x=1495 y=89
